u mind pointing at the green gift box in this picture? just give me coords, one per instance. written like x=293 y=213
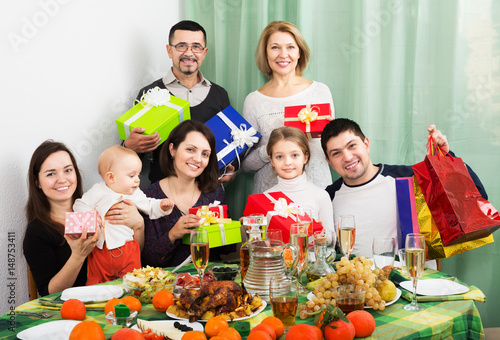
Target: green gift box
x=157 y=111
x=220 y=234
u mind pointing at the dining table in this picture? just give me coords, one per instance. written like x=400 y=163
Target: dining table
x=444 y=317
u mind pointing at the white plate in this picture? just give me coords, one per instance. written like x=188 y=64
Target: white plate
x=54 y=330
x=196 y=326
x=398 y=295
x=92 y=293
x=264 y=304
x=436 y=287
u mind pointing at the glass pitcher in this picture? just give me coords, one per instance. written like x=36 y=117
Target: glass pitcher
x=267 y=261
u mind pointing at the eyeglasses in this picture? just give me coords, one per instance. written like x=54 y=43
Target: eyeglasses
x=183 y=47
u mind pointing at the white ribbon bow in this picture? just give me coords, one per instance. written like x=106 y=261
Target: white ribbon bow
x=244 y=136
x=284 y=209
x=156 y=97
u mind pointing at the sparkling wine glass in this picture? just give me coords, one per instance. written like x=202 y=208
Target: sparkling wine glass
x=347 y=234
x=298 y=238
x=200 y=251
x=415 y=261
x=384 y=251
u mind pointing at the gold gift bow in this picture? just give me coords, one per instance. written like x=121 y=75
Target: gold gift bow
x=308 y=114
x=207 y=217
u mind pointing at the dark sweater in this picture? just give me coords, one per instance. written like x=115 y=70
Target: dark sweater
x=216 y=100
x=46 y=252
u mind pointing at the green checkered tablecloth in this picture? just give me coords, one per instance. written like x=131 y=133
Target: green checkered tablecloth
x=456 y=317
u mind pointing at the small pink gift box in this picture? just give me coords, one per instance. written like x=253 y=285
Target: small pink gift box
x=75 y=221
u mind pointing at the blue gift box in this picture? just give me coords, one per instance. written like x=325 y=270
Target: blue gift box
x=233 y=135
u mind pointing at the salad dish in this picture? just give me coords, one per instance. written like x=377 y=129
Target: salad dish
x=145 y=282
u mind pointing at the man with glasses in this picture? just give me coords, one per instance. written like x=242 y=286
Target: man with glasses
x=187 y=47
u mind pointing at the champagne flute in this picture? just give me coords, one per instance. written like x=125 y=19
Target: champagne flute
x=415 y=261
x=347 y=234
x=298 y=238
x=199 y=251
x=384 y=251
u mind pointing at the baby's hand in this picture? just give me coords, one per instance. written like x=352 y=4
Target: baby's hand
x=166 y=205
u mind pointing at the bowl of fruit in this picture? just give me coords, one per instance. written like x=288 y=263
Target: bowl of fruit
x=224 y=272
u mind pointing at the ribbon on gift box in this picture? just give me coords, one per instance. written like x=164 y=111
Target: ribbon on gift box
x=153 y=98
x=222 y=229
x=78 y=220
x=207 y=217
x=307 y=115
x=241 y=137
x=216 y=204
x=282 y=208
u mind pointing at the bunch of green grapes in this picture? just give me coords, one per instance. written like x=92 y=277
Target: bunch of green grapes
x=356 y=272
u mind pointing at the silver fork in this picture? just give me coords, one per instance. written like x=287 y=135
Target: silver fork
x=41 y=315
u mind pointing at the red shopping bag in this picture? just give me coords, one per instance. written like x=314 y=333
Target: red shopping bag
x=460 y=212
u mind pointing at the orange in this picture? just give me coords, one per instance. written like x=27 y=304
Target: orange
x=229 y=334
x=343 y=331
x=259 y=335
x=275 y=323
x=217 y=338
x=110 y=305
x=319 y=332
x=132 y=303
x=162 y=300
x=194 y=335
x=302 y=332
x=87 y=330
x=127 y=334
x=73 y=309
x=363 y=322
x=265 y=328
x=215 y=325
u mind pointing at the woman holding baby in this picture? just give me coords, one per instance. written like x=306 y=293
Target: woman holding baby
x=56 y=261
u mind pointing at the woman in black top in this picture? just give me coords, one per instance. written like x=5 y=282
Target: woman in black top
x=56 y=261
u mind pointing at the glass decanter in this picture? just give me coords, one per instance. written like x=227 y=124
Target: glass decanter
x=321 y=266
x=253 y=226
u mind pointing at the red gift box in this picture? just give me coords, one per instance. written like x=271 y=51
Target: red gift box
x=220 y=209
x=311 y=119
x=76 y=221
x=280 y=214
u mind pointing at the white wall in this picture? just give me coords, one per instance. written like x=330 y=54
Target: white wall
x=68 y=70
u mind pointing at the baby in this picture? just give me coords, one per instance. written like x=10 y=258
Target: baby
x=117 y=252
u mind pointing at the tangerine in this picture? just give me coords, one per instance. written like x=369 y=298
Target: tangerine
x=215 y=325
x=162 y=300
x=303 y=331
x=132 y=303
x=73 y=309
x=217 y=338
x=110 y=305
x=87 y=330
x=342 y=331
x=275 y=323
x=363 y=322
x=127 y=334
x=194 y=335
x=259 y=335
x=229 y=334
x=266 y=328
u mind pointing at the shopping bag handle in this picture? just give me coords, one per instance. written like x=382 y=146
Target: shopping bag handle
x=435 y=150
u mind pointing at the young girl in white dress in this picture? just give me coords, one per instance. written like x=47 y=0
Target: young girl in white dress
x=289 y=152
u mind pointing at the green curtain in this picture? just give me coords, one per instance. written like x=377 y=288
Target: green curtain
x=394 y=67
